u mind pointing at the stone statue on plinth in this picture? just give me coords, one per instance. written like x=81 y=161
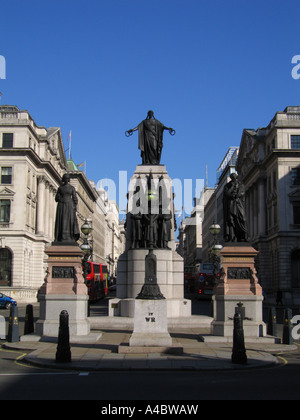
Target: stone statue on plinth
x=235 y=229
x=150 y=139
x=66 y=225
x=64 y=288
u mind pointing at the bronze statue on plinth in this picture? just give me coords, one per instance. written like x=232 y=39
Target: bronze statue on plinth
x=66 y=225
x=235 y=229
x=150 y=139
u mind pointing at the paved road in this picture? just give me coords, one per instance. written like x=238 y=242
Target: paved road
x=18 y=381
x=29 y=383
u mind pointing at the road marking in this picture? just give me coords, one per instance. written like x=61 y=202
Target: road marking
x=285 y=362
x=36 y=374
x=17 y=362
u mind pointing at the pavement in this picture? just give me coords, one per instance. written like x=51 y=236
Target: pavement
x=108 y=349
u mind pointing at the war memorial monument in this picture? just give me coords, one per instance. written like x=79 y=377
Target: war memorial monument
x=150 y=275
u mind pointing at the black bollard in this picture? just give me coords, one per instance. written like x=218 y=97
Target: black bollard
x=272 y=322
x=63 y=353
x=28 y=326
x=13 y=335
x=287 y=327
x=238 y=351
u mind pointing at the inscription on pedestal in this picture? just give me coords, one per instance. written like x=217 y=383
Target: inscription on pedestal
x=63 y=272
x=150 y=317
x=239 y=273
x=237 y=258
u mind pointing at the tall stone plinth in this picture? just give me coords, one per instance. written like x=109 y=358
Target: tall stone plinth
x=63 y=289
x=238 y=283
x=131 y=276
x=131 y=264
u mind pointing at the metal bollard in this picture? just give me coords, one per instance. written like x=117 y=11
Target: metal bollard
x=287 y=327
x=28 y=326
x=2 y=328
x=13 y=335
x=272 y=322
x=239 y=355
x=63 y=353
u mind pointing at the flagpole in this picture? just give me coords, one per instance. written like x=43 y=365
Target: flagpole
x=70 y=146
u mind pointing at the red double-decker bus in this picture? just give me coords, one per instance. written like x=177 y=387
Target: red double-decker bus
x=204 y=280
x=189 y=278
x=96 y=281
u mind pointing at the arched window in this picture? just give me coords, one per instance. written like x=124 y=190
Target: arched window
x=295 y=261
x=5 y=267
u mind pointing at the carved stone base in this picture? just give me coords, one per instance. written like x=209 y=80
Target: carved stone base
x=238 y=283
x=50 y=309
x=224 y=311
x=63 y=289
x=150 y=324
x=238 y=274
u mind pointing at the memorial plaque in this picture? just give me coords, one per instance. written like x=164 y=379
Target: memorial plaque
x=63 y=272
x=239 y=273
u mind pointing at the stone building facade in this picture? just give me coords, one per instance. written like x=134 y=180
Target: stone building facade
x=269 y=167
x=32 y=162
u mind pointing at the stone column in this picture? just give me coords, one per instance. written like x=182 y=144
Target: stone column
x=40 y=205
x=262 y=212
x=46 y=213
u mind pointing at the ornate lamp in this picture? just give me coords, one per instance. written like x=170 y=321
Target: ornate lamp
x=215 y=229
x=86 y=228
x=85 y=246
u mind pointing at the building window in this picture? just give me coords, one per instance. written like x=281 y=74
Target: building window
x=5 y=267
x=296 y=208
x=295 y=262
x=7 y=140
x=4 y=211
x=6 y=175
x=295 y=142
x=296 y=176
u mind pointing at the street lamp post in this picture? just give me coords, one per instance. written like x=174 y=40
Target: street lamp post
x=215 y=229
x=85 y=246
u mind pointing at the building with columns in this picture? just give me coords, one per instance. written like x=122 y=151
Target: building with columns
x=269 y=167
x=268 y=164
x=32 y=162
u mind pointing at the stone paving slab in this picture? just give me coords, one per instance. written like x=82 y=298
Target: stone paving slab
x=103 y=354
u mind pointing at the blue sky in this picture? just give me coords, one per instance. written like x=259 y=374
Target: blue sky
x=208 y=69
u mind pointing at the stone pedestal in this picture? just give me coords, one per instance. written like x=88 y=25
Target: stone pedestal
x=63 y=289
x=131 y=275
x=2 y=328
x=150 y=324
x=131 y=264
x=238 y=283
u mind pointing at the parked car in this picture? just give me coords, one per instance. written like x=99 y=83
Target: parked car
x=6 y=301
